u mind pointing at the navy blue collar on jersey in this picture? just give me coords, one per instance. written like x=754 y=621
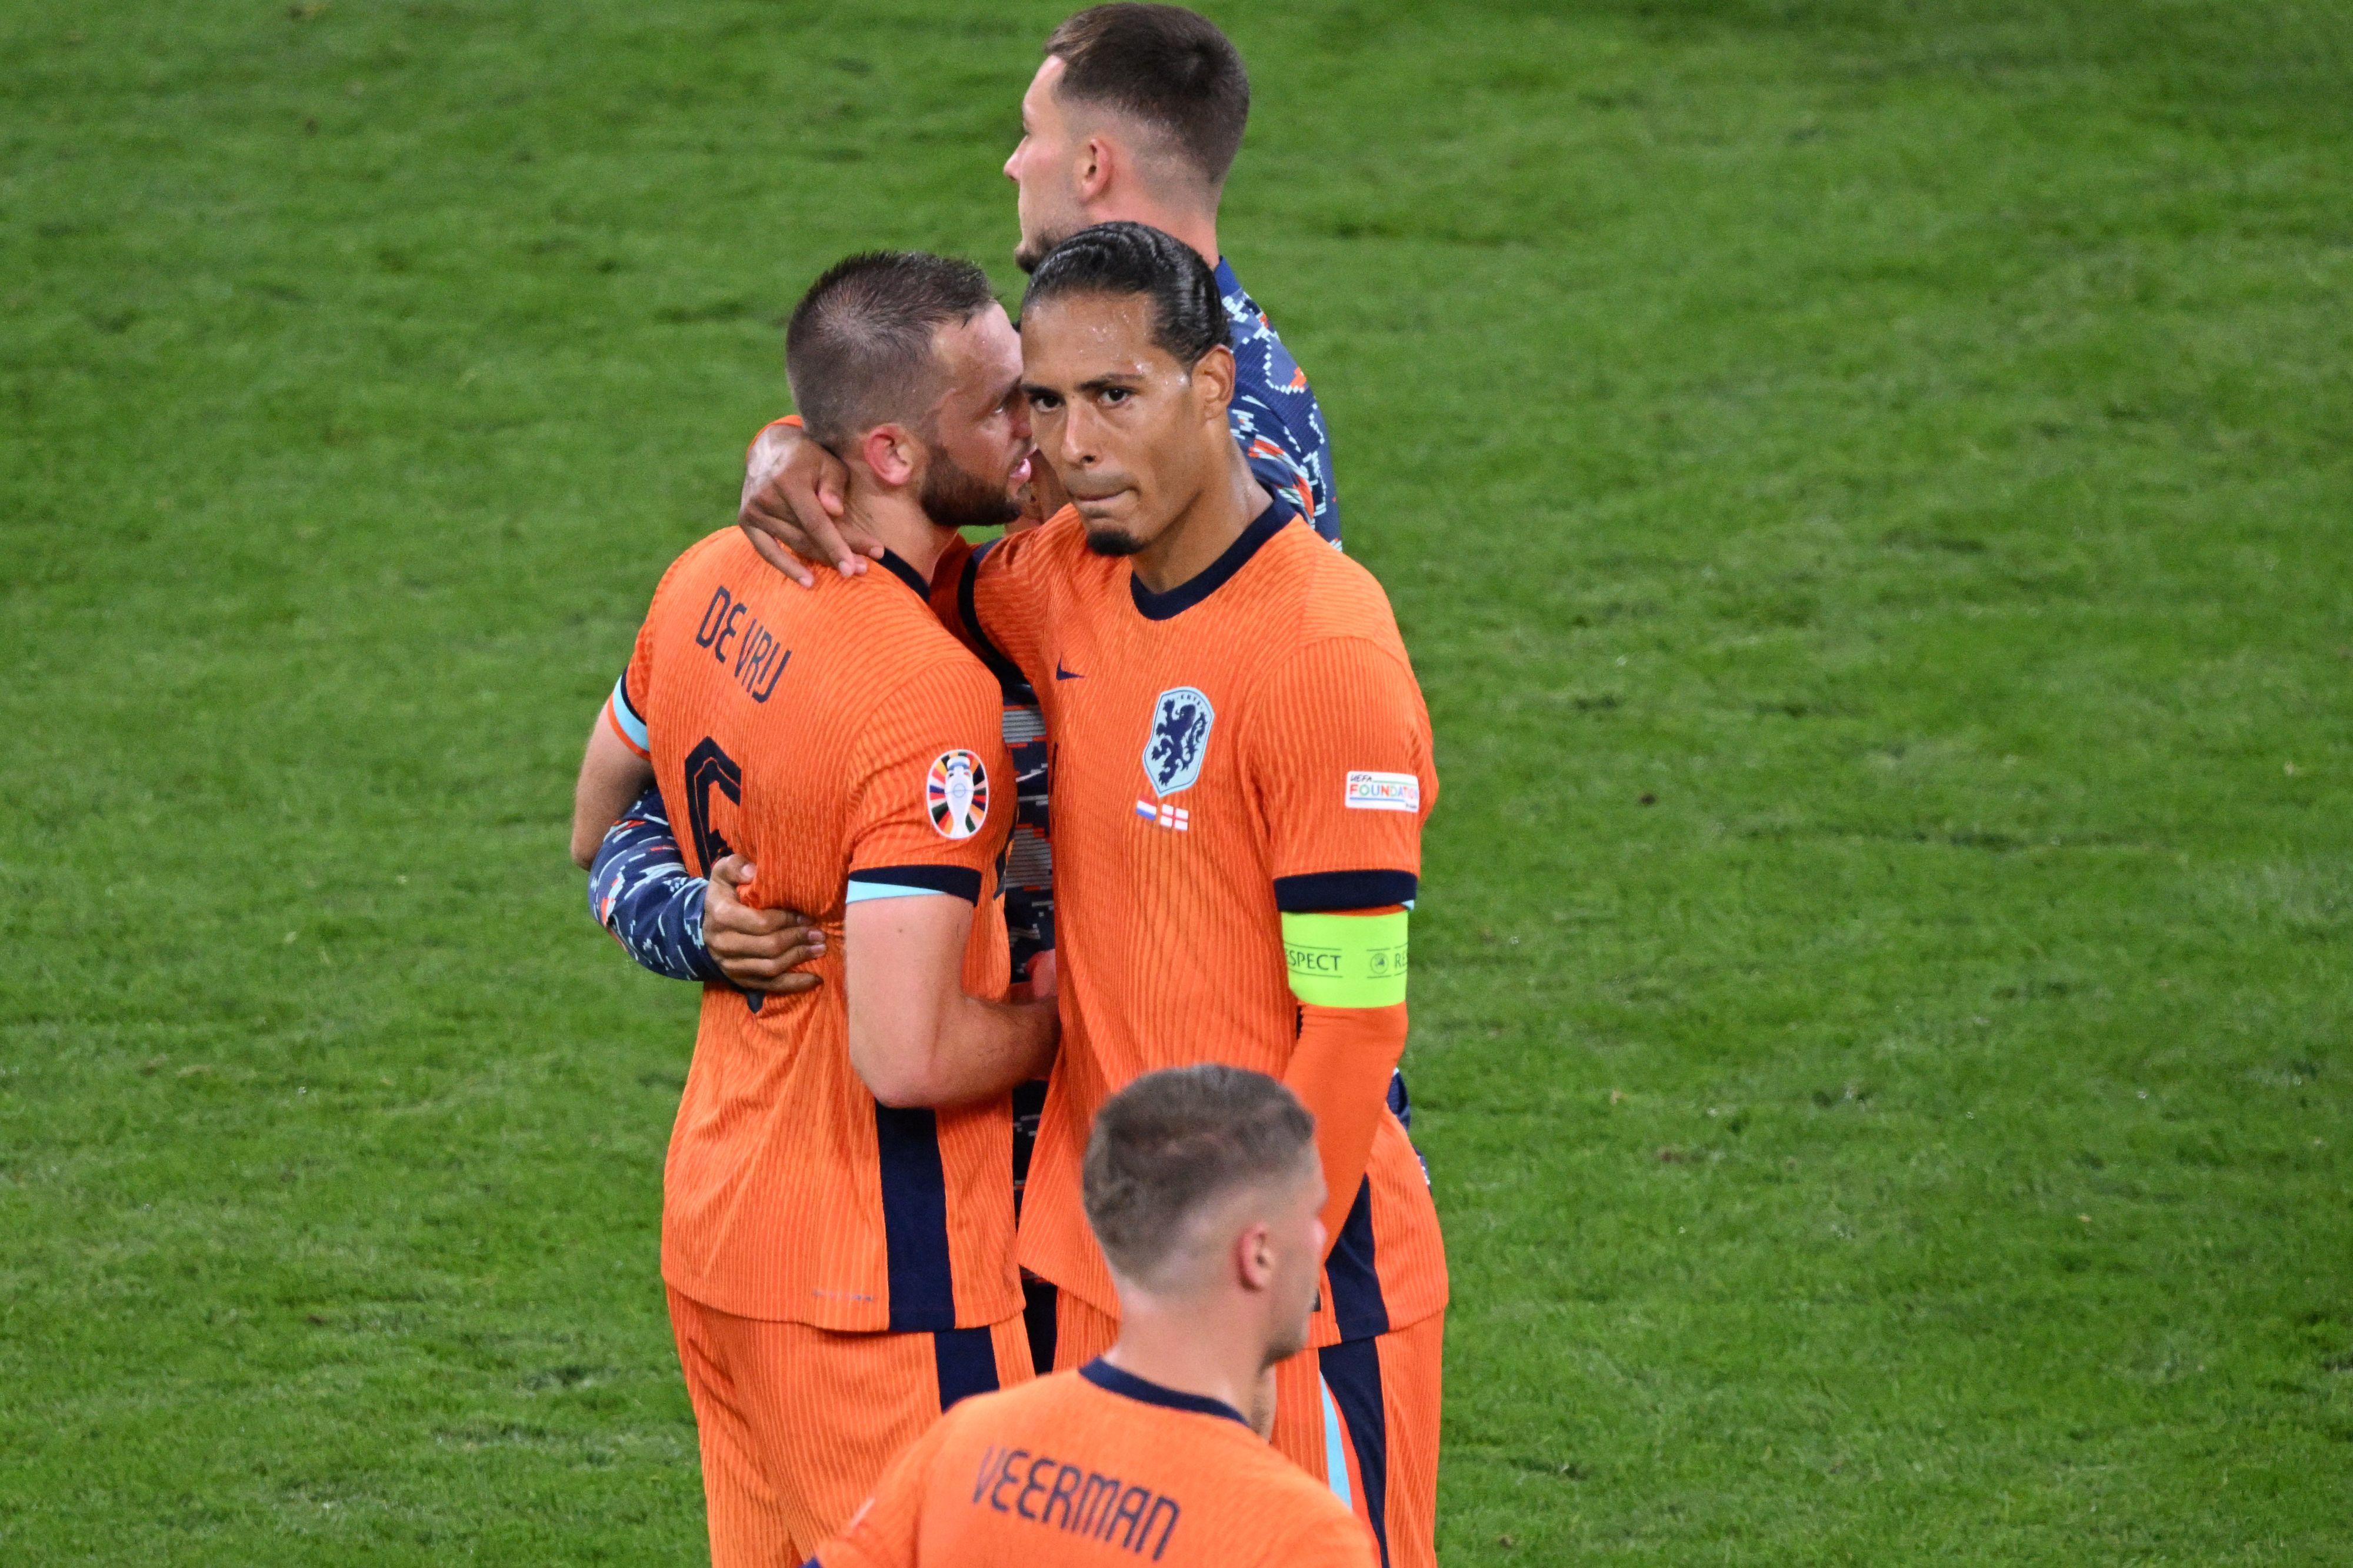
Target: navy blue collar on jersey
x=1228 y=284
x=1112 y=1380
x=907 y=575
x=1155 y=607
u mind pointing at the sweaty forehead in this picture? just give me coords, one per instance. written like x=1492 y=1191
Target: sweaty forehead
x=982 y=357
x=1073 y=338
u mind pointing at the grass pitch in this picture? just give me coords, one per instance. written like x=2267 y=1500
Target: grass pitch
x=1867 y=490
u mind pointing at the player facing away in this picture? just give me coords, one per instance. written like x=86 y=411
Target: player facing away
x=1241 y=771
x=836 y=1224
x=1203 y=1190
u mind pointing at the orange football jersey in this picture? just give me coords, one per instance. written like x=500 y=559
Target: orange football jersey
x=845 y=743
x=1091 y=1467
x=1249 y=743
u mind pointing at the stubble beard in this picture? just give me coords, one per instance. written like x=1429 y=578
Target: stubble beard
x=1033 y=247
x=1113 y=542
x=1290 y=1344
x=954 y=497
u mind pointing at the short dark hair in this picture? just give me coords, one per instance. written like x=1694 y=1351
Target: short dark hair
x=1166 y=66
x=1188 y=319
x=1174 y=1141
x=859 y=348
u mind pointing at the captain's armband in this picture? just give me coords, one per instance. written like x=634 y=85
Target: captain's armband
x=1347 y=959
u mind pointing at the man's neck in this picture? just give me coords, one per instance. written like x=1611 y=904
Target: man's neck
x=897 y=523
x=1194 y=228
x=1206 y=529
x=1181 y=1348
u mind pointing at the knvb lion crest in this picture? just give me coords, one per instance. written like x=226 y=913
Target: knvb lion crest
x=1180 y=736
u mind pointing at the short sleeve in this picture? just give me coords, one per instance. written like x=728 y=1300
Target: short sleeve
x=1340 y=760
x=1333 y=1539
x=935 y=797
x=882 y=1533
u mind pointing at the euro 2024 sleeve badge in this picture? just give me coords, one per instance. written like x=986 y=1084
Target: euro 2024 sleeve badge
x=956 y=794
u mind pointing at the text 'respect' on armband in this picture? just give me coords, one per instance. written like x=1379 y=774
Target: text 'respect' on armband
x=1347 y=961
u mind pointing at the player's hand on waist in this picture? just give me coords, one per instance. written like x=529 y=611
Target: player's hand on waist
x=794 y=492
x=758 y=950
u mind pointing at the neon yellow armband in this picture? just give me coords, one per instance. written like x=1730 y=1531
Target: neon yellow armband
x=1347 y=961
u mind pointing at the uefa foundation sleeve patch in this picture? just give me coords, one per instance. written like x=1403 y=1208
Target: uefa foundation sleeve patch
x=956 y=794
x=1383 y=792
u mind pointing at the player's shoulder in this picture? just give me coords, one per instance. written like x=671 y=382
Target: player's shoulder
x=1343 y=598
x=699 y=561
x=1054 y=548
x=1306 y=1525
x=916 y=665
x=1325 y=1536
x=1329 y=602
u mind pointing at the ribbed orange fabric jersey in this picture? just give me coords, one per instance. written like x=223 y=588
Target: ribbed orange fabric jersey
x=1096 y=1466
x=843 y=742
x=1251 y=743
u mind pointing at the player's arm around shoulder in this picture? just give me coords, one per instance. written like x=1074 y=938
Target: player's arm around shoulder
x=933 y=807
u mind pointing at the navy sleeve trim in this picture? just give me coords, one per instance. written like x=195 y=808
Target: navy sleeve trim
x=961 y=880
x=1325 y=891
x=1007 y=673
x=1112 y=1380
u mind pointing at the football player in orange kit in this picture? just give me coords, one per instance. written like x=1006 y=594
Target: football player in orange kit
x=1203 y=1190
x=1241 y=767
x=836 y=1224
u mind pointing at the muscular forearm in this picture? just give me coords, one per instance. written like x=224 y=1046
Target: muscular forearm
x=915 y=1038
x=975 y=1050
x=1340 y=1070
x=986 y=1048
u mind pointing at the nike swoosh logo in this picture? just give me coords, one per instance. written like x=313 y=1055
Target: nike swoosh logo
x=1061 y=674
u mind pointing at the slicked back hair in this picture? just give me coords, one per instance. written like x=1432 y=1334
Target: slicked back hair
x=1166 y=67
x=1176 y=1142
x=859 y=348
x=1123 y=259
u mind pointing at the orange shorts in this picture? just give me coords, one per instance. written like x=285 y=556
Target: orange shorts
x=798 y=1423
x=1360 y=1417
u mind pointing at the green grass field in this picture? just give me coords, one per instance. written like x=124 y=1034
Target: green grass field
x=1869 y=491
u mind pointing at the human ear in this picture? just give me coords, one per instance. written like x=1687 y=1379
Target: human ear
x=1213 y=383
x=890 y=453
x=1093 y=176
x=1254 y=1256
